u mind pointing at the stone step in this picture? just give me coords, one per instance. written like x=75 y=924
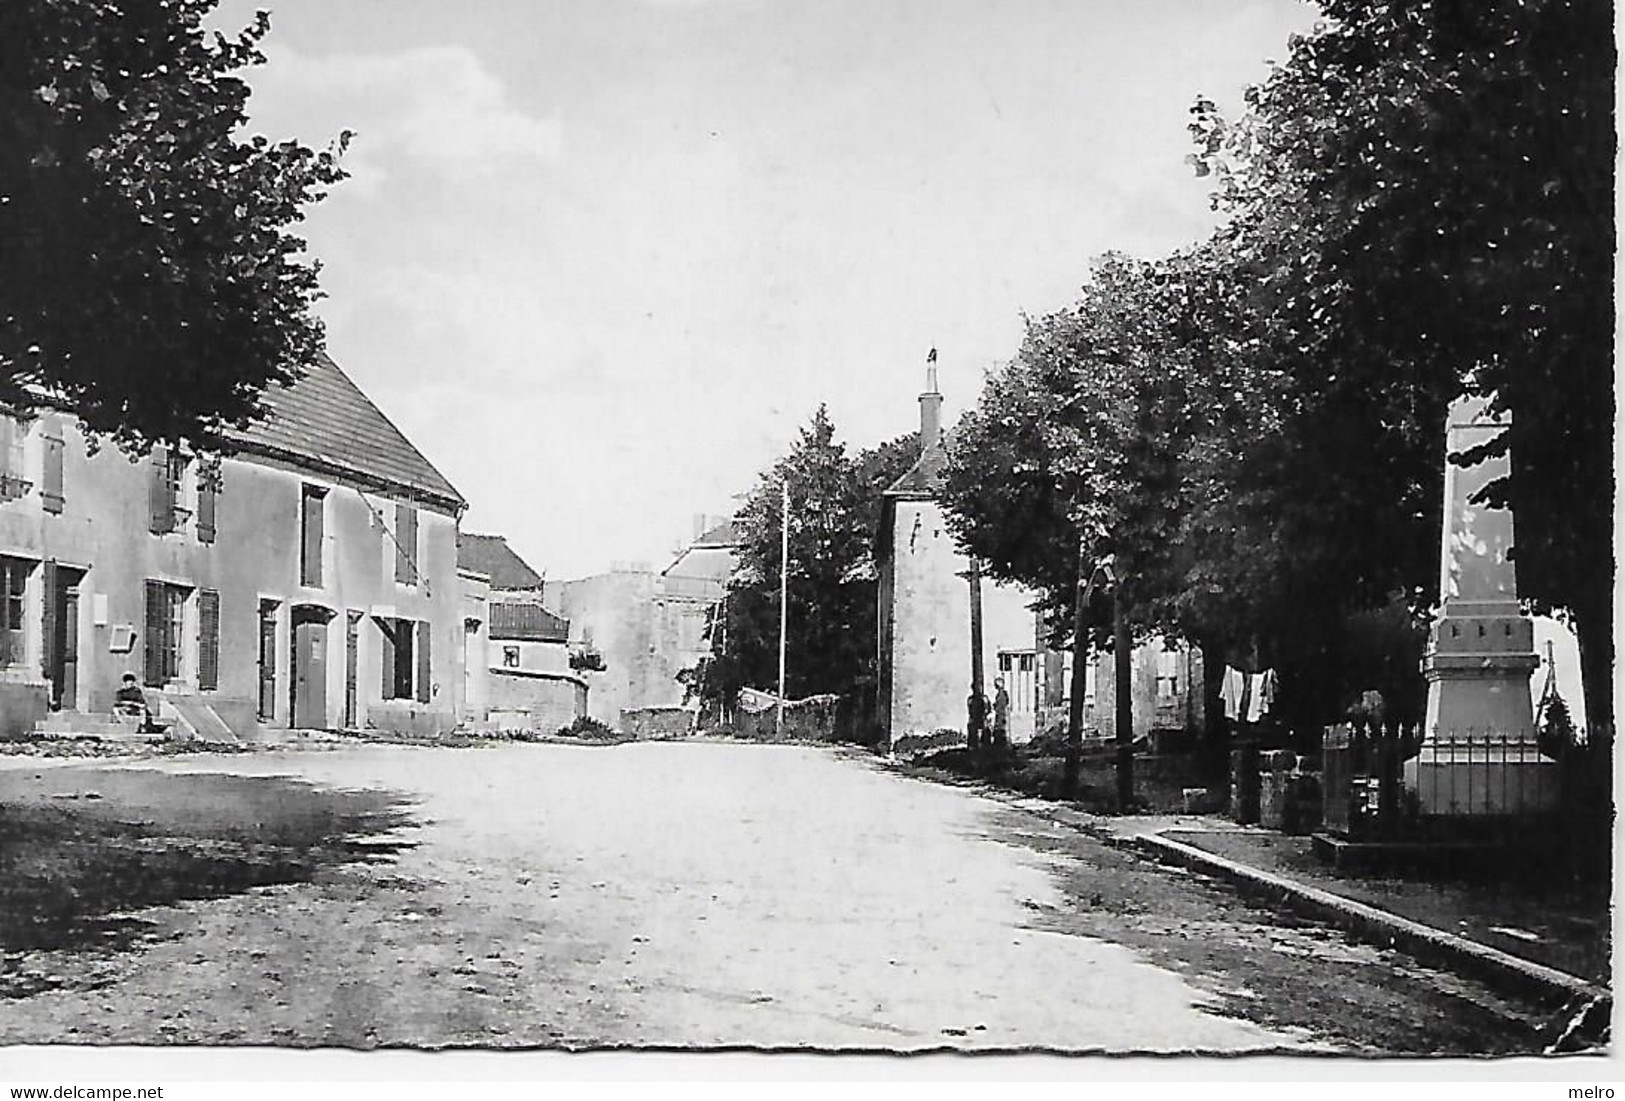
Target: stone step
x=80 y=724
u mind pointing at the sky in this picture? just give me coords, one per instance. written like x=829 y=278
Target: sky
x=601 y=259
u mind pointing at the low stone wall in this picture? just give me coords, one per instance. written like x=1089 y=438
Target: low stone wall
x=413 y=720
x=1273 y=788
x=521 y=703
x=657 y=722
x=808 y=720
x=22 y=704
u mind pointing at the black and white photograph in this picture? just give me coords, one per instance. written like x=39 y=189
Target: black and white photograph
x=885 y=529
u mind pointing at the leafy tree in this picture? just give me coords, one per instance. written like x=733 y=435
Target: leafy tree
x=1424 y=191
x=834 y=516
x=1153 y=421
x=1080 y=449
x=152 y=278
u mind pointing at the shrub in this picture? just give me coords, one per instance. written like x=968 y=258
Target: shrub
x=585 y=726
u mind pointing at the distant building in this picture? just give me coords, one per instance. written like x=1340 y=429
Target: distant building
x=692 y=590
x=648 y=627
x=530 y=681
x=307 y=581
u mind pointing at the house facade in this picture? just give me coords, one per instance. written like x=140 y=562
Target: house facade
x=530 y=679
x=305 y=581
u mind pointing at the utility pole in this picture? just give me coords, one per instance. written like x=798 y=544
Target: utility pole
x=784 y=596
x=978 y=710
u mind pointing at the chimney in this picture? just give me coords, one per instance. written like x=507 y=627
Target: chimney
x=930 y=409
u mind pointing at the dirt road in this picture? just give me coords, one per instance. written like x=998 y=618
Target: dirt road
x=685 y=894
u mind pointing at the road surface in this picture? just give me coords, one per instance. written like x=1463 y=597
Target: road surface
x=712 y=894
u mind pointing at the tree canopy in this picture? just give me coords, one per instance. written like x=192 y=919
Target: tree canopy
x=1417 y=206
x=152 y=280
x=835 y=505
x=1425 y=192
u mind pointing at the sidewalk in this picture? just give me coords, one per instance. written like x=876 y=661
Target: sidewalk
x=1554 y=948
x=1561 y=959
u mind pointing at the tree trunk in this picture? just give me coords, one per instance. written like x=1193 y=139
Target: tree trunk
x=1215 y=729
x=1595 y=636
x=978 y=710
x=1080 y=662
x=1123 y=663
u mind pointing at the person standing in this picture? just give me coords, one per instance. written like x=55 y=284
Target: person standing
x=1001 y=714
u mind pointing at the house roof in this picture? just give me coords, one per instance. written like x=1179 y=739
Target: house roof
x=523 y=621
x=725 y=534
x=925 y=477
x=323 y=420
x=491 y=555
x=710 y=557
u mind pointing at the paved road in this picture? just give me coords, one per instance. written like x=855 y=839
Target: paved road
x=725 y=895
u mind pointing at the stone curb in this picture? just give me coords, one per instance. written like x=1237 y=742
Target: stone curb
x=1381 y=927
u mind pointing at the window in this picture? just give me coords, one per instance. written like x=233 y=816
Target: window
x=311 y=504
x=51 y=496
x=510 y=657
x=166 y=617
x=395 y=650
x=209 y=479
x=208 y=640
x=164 y=492
x=406 y=544
x=13 y=589
x=404 y=647
x=1167 y=674
x=12 y=483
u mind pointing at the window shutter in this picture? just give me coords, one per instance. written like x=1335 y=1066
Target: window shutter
x=153 y=651
x=406 y=543
x=51 y=491
x=208 y=649
x=310 y=552
x=423 y=662
x=48 y=630
x=208 y=486
x=16 y=484
x=386 y=658
x=11 y=474
x=160 y=504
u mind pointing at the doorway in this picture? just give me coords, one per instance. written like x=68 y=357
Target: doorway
x=309 y=681
x=473 y=659
x=267 y=660
x=61 y=634
x=352 y=667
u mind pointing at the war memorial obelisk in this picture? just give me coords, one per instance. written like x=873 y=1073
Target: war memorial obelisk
x=1479 y=757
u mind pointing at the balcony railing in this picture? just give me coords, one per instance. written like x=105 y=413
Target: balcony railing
x=13 y=487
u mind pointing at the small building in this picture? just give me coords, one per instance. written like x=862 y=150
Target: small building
x=924 y=615
x=924 y=631
x=531 y=679
x=307 y=580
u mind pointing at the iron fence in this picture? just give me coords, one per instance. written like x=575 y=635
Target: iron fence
x=1384 y=781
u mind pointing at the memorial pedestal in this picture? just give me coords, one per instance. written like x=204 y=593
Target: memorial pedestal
x=1479 y=756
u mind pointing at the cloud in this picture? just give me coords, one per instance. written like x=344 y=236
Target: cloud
x=437 y=106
